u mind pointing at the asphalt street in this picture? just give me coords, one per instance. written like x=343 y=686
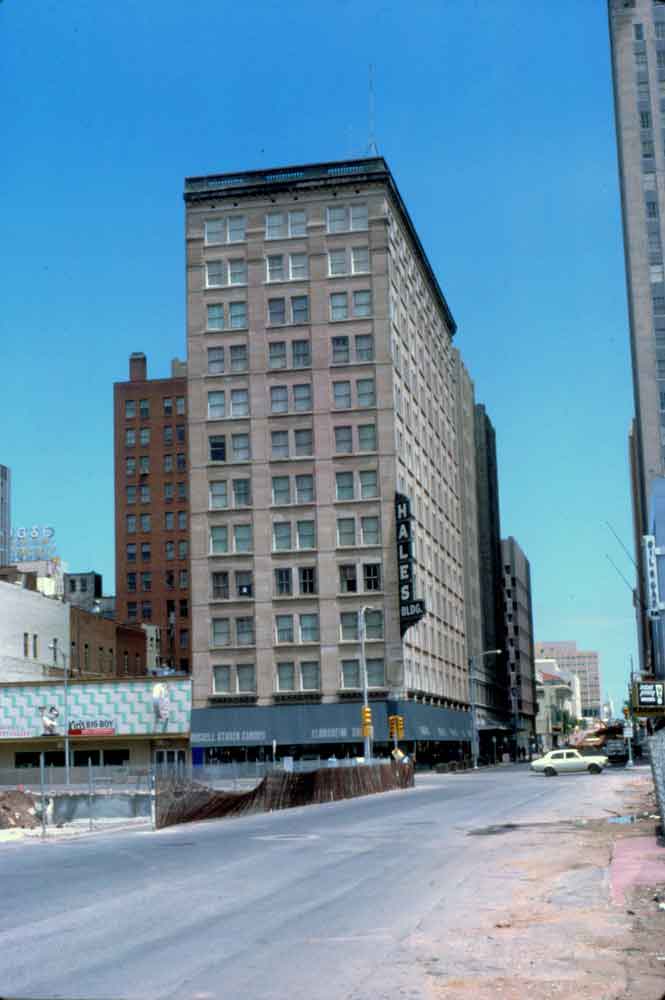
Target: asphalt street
x=312 y=903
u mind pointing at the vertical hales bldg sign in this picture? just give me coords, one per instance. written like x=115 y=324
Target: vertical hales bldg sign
x=411 y=608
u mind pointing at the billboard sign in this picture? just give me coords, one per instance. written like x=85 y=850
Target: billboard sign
x=649 y=698
x=651 y=553
x=411 y=608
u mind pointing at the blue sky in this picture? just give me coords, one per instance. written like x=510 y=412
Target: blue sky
x=496 y=119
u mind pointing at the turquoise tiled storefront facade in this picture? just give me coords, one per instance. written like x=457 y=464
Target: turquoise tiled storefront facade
x=128 y=708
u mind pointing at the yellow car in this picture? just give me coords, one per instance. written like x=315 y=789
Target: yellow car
x=565 y=760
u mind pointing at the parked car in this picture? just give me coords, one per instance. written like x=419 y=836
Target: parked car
x=563 y=761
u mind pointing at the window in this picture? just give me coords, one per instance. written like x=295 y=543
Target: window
x=283 y=582
x=146 y=611
x=181 y=462
x=215 y=360
x=144 y=465
x=183 y=547
x=239 y=402
x=183 y=608
x=340 y=350
x=339 y=306
x=365 y=347
x=239 y=358
x=305 y=489
x=277 y=312
x=144 y=436
x=640 y=58
x=220 y=585
x=245 y=671
x=344 y=485
x=221 y=680
x=309 y=628
x=350 y=674
x=130 y=466
x=144 y=409
x=146 y=581
x=349 y=626
x=358 y=216
x=132 y=611
x=279 y=399
x=346 y=531
x=348 y=581
x=131 y=494
x=370 y=530
x=297 y=222
x=275 y=267
x=277 y=354
x=276 y=226
x=306 y=534
x=221 y=632
x=245 y=637
x=645 y=119
x=242 y=492
x=362 y=303
x=240 y=444
x=365 y=392
x=281 y=536
x=215 y=273
x=342 y=395
x=183 y=579
x=237 y=271
x=219 y=539
x=374 y=624
x=280 y=444
x=284 y=628
x=130 y=409
x=238 y=315
x=638 y=30
x=298 y=266
x=231 y=230
x=145 y=551
x=301 y=354
x=307 y=577
x=281 y=492
x=302 y=397
x=168 y=491
x=168 y=435
x=369 y=484
x=236 y=228
x=216 y=406
x=647 y=148
x=130 y=438
x=180 y=405
x=217 y=448
x=304 y=441
x=131 y=582
x=372 y=576
x=367 y=437
x=218 y=495
x=144 y=493
x=660 y=29
x=242 y=537
x=180 y=433
x=131 y=528
x=336 y=262
x=376 y=674
x=286 y=676
x=310 y=675
x=360 y=260
x=169 y=548
x=244 y=583
x=337 y=219
x=343 y=440
x=215 y=317
x=300 y=309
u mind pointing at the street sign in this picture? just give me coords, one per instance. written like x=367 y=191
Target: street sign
x=649 y=698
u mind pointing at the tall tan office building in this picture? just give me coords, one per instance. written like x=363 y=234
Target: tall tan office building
x=320 y=383
x=584 y=663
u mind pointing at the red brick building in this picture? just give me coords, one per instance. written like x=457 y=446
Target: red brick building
x=152 y=507
x=100 y=646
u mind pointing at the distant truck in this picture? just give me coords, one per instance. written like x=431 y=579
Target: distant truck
x=616 y=749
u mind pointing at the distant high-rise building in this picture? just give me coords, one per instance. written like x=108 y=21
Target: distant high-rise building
x=321 y=383
x=518 y=628
x=5 y=514
x=584 y=663
x=637 y=33
x=152 y=506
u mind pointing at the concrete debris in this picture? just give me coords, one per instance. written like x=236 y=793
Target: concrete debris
x=17 y=810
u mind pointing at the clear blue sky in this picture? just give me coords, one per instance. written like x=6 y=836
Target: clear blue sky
x=496 y=119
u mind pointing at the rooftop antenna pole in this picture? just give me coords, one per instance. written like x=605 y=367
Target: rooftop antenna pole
x=372 y=148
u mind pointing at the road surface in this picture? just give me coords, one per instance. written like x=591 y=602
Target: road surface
x=317 y=903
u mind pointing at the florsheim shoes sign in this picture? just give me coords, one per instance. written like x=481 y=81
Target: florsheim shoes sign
x=411 y=608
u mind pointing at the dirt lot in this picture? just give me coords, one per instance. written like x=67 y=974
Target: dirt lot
x=17 y=809
x=568 y=912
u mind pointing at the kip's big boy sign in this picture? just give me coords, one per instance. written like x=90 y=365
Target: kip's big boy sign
x=411 y=608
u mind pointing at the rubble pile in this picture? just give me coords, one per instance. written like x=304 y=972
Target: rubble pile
x=17 y=809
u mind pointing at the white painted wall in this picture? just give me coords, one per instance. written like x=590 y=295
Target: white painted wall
x=26 y=611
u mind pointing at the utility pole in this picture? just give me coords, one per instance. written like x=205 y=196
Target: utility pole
x=65 y=662
x=366 y=710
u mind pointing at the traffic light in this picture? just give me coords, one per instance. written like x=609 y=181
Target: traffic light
x=366 y=719
x=392 y=725
x=400 y=727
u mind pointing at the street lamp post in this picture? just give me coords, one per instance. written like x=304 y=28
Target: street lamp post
x=363 y=669
x=472 y=693
x=65 y=662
